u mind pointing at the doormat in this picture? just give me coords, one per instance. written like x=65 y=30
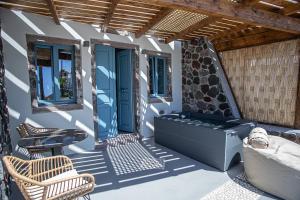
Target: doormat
x=127 y=155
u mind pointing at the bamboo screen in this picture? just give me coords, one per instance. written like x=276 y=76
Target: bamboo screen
x=264 y=81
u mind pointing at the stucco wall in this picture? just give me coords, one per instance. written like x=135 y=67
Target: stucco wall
x=15 y=26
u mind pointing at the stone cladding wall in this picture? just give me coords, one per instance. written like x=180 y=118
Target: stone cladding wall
x=201 y=87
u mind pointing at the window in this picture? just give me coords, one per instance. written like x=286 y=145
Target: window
x=158 y=76
x=55 y=74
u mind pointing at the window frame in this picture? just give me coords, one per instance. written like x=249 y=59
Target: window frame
x=55 y=73
x=167 y=96
x=155 y=77
x=37 y=107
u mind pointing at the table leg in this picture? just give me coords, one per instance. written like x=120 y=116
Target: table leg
x=56 y=151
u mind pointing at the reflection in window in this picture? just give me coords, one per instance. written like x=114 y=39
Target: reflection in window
x=160 y=76
x=45 y=73
x=55 y=74
x=65 y=74
x=151 y=64
x=157 y=75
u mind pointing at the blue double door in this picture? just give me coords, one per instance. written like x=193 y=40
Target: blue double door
x=114 y=91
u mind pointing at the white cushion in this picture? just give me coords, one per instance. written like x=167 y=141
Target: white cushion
x=258 y=138
x=36 y=192
x=276 y=169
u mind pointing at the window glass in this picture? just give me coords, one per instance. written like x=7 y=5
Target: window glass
x=65 y=74
x=151 y=75
x=157 y=75
x=55 y=74
x=45 y=73
x=160 y=76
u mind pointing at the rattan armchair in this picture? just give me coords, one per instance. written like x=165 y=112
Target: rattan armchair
x=48 y=178
x=26 y=129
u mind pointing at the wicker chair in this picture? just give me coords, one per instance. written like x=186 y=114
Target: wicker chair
x=26 y=129
x=48 y=178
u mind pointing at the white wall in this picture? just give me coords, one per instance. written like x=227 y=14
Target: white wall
x=15 y=26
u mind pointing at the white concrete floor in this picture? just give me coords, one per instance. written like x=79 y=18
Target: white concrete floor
x=164 y=175
x=181 y=178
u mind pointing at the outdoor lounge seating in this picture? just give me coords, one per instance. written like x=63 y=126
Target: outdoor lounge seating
x=274 y=169
x=48 y=178
x=203 y=137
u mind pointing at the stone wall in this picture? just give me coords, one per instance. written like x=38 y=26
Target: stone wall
x=5 y=141
x=201 y=87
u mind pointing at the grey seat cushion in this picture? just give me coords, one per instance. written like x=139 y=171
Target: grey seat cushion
x=276 y=169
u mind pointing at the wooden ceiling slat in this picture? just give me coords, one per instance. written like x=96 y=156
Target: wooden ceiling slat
x=192 y=28
x=125 y=25
x=205 y=31
x=81 y=17
x=127 y=22
x=241 y=33
x=123 y=28
x=140 y=4
x=157 y=18
x=126 y=14
x=226 y=24
x=93 y=15
x=219 y=27
x=134 y=11
x=196 y=34
x=213 y=29
x=130 y=19
x=98 y=22
x=80 y=10
x=95 y=4
x=233 y=30
x=81 y=5
x=139 y=8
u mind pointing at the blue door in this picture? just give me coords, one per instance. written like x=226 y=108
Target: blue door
x=124 y=87
x=106 y=92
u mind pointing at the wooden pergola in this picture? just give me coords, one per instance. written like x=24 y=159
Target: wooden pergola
x=230 y=24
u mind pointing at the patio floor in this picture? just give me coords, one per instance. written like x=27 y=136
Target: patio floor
x=135 y=170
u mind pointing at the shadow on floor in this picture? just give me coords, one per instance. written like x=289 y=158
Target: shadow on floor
x=127 y=162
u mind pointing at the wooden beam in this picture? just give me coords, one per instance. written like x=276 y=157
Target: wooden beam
x=235 y=11
x=53 y=11
x=157 y=18
x=192 y=28
x=111 y=11
x=250 y=2
x=254 y=40
x=233 y=30
x=291 y=9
